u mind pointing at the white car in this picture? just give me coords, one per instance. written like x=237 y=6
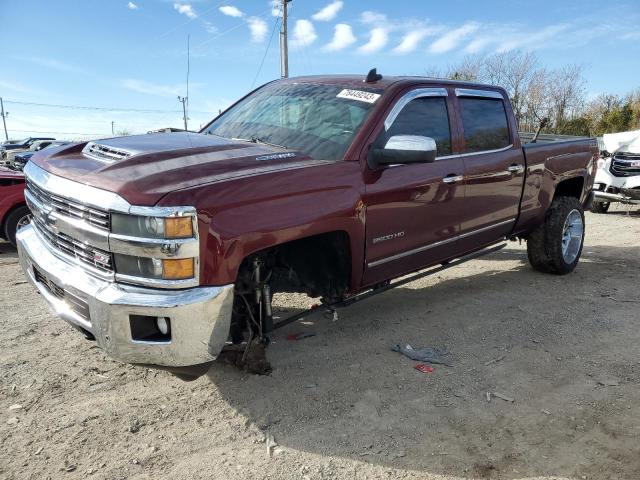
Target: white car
x=618 y=176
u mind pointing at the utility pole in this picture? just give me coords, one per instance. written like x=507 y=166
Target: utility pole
x=183 y=101
x=4 y=121
x=284 y=49
x=112 y=131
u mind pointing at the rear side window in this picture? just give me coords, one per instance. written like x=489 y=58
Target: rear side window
x=426 y=116
x=485 y=123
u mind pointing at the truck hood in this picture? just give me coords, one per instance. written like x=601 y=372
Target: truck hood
x=144 y=168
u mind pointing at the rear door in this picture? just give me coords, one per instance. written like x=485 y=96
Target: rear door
x=413 y=211
x=494 y=167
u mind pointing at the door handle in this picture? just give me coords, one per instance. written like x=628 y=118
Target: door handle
x=453 y=178
x=515 y=169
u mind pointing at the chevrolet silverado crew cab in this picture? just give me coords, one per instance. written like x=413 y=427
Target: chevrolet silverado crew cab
x=167 y=248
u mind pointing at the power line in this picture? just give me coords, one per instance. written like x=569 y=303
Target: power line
x=103 y=109
x=57 y=133
x=275 y=25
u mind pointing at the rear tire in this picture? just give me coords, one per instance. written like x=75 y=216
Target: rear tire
x=17 y=219
x=555 y=246
x=600 y=207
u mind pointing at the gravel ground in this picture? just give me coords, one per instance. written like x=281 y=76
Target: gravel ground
x=341 y=404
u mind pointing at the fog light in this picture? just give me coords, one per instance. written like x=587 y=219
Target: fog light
x=163 y=325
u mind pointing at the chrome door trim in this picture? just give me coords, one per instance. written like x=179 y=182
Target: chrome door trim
x=407 y=97
x=481 y=152
x=435 y=244
x=470 y=92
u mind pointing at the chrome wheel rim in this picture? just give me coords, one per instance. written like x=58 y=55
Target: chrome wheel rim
x=23 y=222
x=572 y=236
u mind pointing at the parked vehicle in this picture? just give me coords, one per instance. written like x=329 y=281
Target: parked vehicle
x=21 y=144
x=20 y=159
x=36 y=146
x=618 y=179
x=14 y=213
x=167 y=247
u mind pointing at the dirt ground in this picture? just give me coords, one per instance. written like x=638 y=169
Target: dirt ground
x=341 y=404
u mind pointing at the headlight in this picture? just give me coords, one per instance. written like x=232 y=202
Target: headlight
x=152 y=227
x=155 y=268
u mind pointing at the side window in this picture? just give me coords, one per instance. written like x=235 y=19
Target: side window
x=426 y=116
x=485 y=123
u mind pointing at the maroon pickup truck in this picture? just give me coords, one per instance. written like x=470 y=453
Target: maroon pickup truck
x=14 y=213
x=166 y=248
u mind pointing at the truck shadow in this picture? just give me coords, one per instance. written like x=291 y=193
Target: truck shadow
x=532 y=337
x=7 y=251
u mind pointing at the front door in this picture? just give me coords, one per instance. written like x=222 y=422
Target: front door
x=413 y=211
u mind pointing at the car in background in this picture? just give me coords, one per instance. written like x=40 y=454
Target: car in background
x=14 y=213
x=618 y=176
x=23 y=144
x=20 y=159
x=36 y=146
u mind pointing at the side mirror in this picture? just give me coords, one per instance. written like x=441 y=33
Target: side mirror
x=404 y=149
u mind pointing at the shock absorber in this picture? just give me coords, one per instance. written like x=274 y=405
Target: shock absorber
x=262 y=298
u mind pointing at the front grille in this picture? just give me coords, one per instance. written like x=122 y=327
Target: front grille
x=93 y=216
x=74 y=302
x=625 y=165
x=87 y=254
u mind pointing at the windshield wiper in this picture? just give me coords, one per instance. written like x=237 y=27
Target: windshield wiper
x=255 y=139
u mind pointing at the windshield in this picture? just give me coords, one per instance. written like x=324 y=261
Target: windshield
x=319 y=120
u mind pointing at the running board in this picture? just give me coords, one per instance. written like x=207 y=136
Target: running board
x=370 y=293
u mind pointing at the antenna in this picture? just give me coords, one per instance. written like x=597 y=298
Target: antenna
x=186 y=111
x=373 y=76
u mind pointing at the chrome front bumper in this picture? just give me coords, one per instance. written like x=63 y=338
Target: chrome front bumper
x=200 y=317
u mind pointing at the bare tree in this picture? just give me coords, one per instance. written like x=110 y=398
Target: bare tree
x=567 y=92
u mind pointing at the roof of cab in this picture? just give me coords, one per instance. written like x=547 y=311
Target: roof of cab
x=386 y=81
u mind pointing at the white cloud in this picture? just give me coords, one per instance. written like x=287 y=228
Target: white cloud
x=132 y=6
x=258 y=28
x=304 y=34
x=210 y=27
x=410 y=41
x=328 y=12
x=378 y=38
x=342 y=38
x=275 y=7
x=231 y=11
x=373 y=18
x=185 y=9
x=154 y=89
x=477 y=44
x=450 y=40
x=54 y=64
x=531 y=40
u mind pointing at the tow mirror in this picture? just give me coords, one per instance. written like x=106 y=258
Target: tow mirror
x=404 y=149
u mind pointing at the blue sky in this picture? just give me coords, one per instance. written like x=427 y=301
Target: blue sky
x=132 y=54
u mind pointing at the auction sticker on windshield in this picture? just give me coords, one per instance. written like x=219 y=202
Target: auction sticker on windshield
x=359 y=95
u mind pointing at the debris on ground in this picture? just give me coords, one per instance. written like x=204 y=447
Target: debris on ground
x=608 y=383
x=426 y=354
x=495 y=360
x=271 y=443
x=504 y=397
x=421 y=367
x=292 y=337
x=252 y=359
